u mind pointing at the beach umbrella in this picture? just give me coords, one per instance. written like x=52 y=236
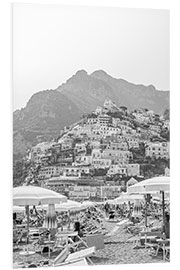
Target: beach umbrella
x=110 y=201
x=152 y=185
x=126 y=197
x=69 y=205
x=87 y=204
x=156 y=198
x=159 y=184
x=33 y=195
x=18 y=209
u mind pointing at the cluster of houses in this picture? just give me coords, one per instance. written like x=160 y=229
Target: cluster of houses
x=98 y=148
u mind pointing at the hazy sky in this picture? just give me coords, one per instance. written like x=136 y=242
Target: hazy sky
x=52 y=42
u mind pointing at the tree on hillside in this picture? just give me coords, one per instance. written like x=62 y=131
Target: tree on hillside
x=165 y=134
x=166 y=114
x=123 y=108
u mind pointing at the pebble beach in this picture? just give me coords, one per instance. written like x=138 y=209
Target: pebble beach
x=117 y=250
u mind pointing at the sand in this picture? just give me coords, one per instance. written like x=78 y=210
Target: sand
x=116 y=251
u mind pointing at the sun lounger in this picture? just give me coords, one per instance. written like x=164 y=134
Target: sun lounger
x=167 y=253
x=16 y=238
x=81 y=262
x=66 y=257
x=84 y=253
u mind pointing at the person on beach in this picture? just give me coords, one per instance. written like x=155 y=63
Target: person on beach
x=166 y=226
x=106 y=208
x=14 y=218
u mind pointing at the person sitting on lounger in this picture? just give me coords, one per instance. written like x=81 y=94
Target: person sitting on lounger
x=111 y=215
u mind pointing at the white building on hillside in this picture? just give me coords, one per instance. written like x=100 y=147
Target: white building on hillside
x=117 y=169
x=83 y=160
x=133 y=169
x=96 y=153
x=103 y=119
x=118 y=146
x=112 y=154
x=157 y=150
x=167 y=171
x=101 y=163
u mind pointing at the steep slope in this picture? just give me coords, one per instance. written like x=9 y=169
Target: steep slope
x=45 y=114
x=89 y=91
x=85 y=91
x=135 y=95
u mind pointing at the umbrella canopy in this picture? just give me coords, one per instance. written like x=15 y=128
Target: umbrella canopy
x=87 y=204
x=156 y=184
x=110 y=201
x=153 y=185
x=65 y=206
x=32 y=195
x=69 y=206
x=157 y=198
x=125 y=197
x=18 y=209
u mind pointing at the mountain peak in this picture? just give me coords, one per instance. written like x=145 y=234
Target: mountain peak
x=81 y=73
x=99 y=73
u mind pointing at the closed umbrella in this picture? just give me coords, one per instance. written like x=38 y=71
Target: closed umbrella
x=137 y=213
x=33 y=195
x=50 y=221
x=70 y=206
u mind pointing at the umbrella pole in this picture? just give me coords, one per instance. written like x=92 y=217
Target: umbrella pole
x=145 y=211
x=69 y=220
x=145 y=220
x=163 y=211
x=27 y=212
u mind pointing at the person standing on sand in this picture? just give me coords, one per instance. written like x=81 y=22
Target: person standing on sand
x=166 y=226
x=106 y=207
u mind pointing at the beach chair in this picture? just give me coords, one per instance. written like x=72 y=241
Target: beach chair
x=16 y=238
x=167 y=253
x=65 y=257
x=80 y=262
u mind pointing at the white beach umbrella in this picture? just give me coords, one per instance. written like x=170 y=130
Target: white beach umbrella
x=87 y=204
x=69 y=205
x=110 y=201
x=157 y=184
x=125 y=197
x=33 y=195
x=153 y=185
x=18 y=209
